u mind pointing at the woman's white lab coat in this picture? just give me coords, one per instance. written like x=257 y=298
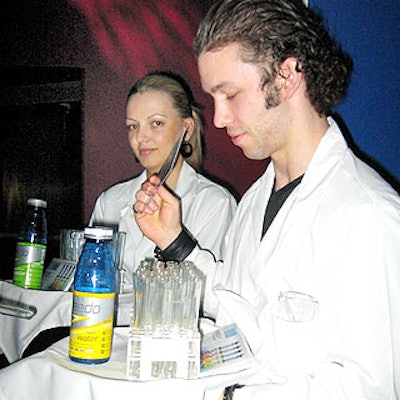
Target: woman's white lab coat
x=207 y=211
x=318 y=298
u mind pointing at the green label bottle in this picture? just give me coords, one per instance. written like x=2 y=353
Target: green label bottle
x=31 y=246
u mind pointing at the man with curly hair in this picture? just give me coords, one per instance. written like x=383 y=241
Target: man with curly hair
x=311 y=274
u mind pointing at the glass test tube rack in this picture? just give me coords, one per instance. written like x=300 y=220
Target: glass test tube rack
x=164 y=339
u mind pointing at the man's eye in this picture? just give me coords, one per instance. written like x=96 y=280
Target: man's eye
x=231 y=96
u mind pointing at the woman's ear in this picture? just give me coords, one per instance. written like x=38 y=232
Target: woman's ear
x=189 y=126
x=289 y=77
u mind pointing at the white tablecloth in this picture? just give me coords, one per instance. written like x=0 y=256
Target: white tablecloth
x=53 y=310
x=51 y=375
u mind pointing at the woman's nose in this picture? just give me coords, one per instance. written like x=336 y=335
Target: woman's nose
x=141 y=134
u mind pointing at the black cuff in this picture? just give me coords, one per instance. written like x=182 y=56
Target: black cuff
x=228 y=392
x=179 y=249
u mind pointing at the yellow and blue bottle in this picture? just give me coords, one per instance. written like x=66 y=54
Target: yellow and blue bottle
x=93 y=299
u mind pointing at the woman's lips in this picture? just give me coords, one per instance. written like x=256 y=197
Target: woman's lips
x=145 y=152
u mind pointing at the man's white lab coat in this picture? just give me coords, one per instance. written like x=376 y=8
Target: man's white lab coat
x=318 y=298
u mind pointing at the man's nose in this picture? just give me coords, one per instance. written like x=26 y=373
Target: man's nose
x=222 y=115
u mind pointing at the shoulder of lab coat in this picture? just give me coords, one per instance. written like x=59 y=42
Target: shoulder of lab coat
x=108 y=206
x=207 y=209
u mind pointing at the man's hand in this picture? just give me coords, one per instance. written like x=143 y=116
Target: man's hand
x=157 y=213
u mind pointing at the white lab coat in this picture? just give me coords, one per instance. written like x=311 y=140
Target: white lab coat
x=207 y=211
x=337 y=240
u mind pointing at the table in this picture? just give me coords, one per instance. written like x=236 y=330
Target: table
x=53 y=310
x=51 y=375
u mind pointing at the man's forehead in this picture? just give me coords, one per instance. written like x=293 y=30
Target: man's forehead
x=216 y=66
x=223 y=71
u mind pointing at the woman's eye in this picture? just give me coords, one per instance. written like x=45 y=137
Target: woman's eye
x=131 y=127
x=231 y=96
x=157 y=124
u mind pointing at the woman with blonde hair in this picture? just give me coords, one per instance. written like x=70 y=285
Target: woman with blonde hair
x=159 y=108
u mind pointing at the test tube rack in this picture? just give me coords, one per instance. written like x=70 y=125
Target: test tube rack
x=164 y=340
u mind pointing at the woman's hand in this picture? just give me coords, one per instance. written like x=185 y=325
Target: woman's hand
x=157 y=213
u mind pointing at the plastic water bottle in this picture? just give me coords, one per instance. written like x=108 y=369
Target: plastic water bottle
x=31 y=246
x=93 y=299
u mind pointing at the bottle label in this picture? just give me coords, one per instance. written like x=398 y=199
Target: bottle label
x=92 y=325
x=29 y=263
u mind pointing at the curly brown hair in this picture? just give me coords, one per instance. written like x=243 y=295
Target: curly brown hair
x=270 y=31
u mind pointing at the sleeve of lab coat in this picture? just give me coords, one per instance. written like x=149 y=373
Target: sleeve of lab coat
x=211 y=220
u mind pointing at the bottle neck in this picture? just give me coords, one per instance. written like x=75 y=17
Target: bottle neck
x=97 y=241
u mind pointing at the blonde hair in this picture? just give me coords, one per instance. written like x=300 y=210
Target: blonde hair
x=183 y=102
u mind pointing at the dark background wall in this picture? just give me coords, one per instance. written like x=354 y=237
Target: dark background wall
x=116 y=41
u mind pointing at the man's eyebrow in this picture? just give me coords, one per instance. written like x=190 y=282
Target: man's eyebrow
x=219 y=87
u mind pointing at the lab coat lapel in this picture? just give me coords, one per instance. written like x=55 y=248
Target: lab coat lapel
x=258 y=206
x=245 y=235
x=297 y=214
x=184 y=185
x=127 y=220
x=134 y=237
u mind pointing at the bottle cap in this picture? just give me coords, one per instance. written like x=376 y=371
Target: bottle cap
x=98 y=232
x=37 y=203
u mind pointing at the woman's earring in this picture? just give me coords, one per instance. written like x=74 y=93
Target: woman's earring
x=186 y=149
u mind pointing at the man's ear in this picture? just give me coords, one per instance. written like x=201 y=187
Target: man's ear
x=289 y=77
